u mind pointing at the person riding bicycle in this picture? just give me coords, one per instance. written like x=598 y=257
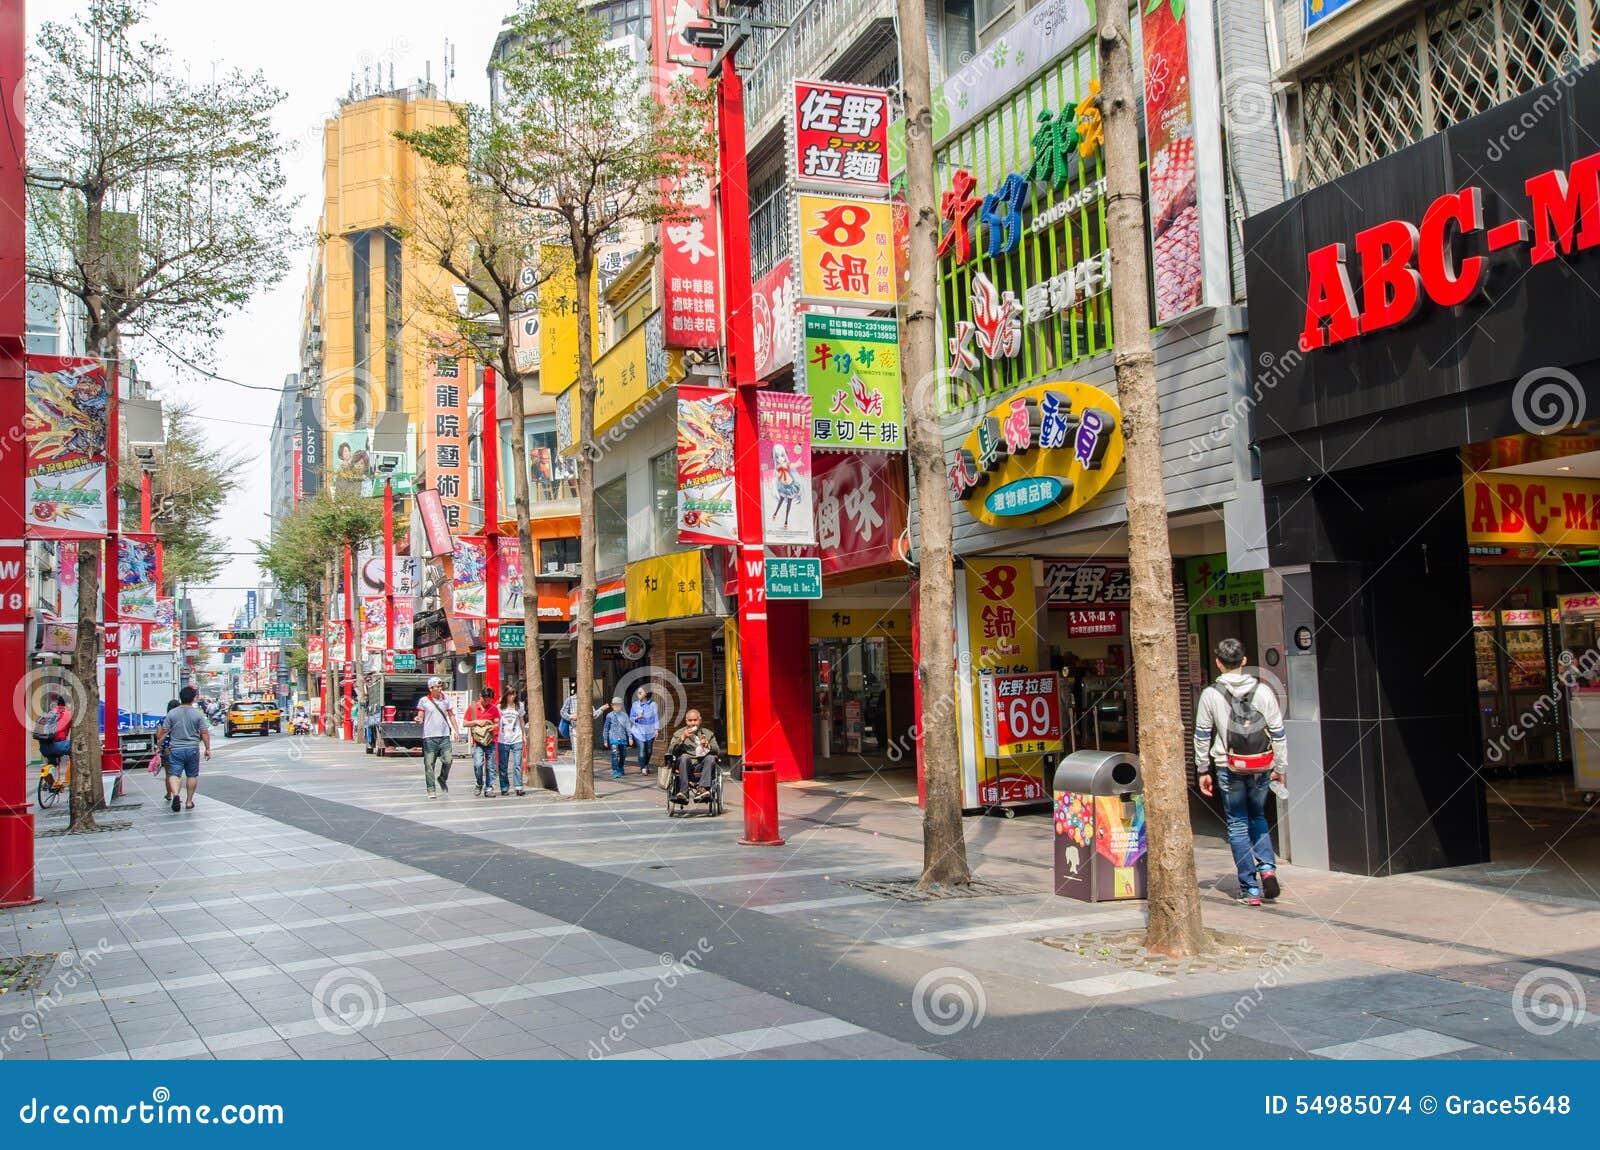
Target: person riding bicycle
x=53 y=730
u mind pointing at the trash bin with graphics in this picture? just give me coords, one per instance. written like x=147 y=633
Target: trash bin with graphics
x=1101 y=851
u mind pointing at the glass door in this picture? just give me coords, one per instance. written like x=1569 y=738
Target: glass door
x=1527 y=700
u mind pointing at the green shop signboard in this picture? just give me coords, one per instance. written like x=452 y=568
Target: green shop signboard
x=853 y=375
x=1213 y=589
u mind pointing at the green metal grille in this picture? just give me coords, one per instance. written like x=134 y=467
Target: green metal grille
x=991 y=148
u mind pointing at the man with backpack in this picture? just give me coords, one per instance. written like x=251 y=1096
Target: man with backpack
x=1238 y=731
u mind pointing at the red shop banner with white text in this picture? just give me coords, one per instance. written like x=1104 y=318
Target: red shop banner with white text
x=772 y=319
x=691 y=244
x=861 y=510
x=314 y=654
x=783 y=426
x=335 y=642
x=70 y=404
x=707 y=511
x=1169 y=127
x=841 y=135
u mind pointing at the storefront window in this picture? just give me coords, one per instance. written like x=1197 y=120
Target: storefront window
x=611 y=524
x=664 y=500
x=558 y=553
x=550 y=476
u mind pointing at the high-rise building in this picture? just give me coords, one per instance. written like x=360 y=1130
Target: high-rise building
x=369 y=294
x=285 y=447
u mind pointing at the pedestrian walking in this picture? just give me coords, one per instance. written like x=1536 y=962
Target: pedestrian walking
x=186 y=731
x=439 y=730
x=1238 y=731
x=644 y=724
x=616 y=735
x=483 y=726
x=569 y=715
x=513 y=740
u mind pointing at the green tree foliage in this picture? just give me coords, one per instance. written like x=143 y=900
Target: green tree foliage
x=311 y=537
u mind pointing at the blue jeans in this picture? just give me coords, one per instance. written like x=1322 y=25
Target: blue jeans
x=483 y=759
x=646 y=747
x=619 y=759
x=184 y=761
x=510 y=761
x=1244 y=799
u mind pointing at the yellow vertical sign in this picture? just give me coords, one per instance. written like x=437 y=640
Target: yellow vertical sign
x=558 y=319
x=1002 y=635
x=733 y=687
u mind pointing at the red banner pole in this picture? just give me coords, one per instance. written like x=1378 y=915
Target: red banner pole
x=491 y=525
x=16 y=819
x=349 y=648
x=388 y=567
x=110 y=750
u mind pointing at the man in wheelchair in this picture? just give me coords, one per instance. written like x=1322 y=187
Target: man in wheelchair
x=692 y=746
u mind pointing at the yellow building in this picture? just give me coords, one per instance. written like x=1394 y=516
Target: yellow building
x=371 y=299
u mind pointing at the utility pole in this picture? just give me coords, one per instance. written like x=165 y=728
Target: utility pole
x=16 y=817
x=349 y=727
x=491 y=537
x=1174 y=897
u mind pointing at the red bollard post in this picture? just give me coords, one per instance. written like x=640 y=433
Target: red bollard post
x=760 y=806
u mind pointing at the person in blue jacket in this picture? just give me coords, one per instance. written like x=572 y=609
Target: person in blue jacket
x=616 y=734
x=644 y=725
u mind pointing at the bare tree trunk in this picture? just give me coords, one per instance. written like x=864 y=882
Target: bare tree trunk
x=1175 y=926
x=533 y=669
x=944 y=846
x=82 y=798
x=583 y=724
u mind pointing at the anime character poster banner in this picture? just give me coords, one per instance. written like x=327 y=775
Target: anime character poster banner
x=405 y=625
x=706 y=508
x=131 y=637
x=67 y=423
x=136 y=578
x=510 y=577
x=164 y=631
x=469 y=579
x=374 y=624
x=783 y=423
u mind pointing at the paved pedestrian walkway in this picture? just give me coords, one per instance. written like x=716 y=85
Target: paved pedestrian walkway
x=318 y=904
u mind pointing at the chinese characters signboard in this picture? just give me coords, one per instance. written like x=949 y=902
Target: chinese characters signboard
x=1044 y=453
x=1093 y=622
x=1174 y=203
x=841 y=135
x=706 y=508
x=1021 y=716
x=853 y=374
x=664 y=587
x=1002 y=640
x=1088 y=583
x=861 y=510
x=445 y=431
x=783 y=424
x=69 y=409
x=772 y=319
x=690 y=240
x=846 y=251
x=1213 y=589
x=793 y=578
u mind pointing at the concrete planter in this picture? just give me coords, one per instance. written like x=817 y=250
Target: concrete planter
x=560 y=776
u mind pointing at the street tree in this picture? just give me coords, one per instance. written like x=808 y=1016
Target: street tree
x=577 y=145
x=487 y=246
x=944 y=846
x=1175 y=927
x=157 y=202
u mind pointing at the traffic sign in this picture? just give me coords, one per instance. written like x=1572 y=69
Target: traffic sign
x=403 y=662
x=794 y=578
x=279 y=631
x=513 y=636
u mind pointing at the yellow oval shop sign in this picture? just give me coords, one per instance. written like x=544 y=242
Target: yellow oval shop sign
x=1042 y=454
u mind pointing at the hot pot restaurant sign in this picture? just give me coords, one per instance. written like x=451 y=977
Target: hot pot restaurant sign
x=1040 y=455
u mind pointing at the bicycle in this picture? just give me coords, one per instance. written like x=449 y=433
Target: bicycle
x=50 y=787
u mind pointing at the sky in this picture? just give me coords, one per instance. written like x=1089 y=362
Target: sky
x=308 y=49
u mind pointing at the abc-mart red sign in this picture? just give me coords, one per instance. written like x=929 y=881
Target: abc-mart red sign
x=1403 y=264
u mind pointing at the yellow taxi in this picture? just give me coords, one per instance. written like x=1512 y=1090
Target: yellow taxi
x=273 y=716
x=248 y=716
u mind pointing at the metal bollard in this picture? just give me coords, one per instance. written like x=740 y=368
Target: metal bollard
x=760 y=806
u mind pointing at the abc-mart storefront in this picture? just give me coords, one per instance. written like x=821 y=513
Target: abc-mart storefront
x=1033 y=432
x=1431 y=462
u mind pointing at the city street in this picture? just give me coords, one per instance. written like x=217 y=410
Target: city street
x=317 y=904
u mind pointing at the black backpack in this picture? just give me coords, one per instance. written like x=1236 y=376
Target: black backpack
x=1247 y=734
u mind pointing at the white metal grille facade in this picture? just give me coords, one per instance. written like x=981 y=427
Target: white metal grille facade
x=1446 y=63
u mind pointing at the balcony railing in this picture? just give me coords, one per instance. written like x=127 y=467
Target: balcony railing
x=816 y=32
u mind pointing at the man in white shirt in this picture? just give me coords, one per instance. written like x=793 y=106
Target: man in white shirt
x=439 y=729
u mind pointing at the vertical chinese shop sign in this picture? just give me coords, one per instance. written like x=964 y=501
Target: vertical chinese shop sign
x=446 y=428
x=1169 y=128
x=706 y=508
x=1002 y=637
x=691 y=246
x=841 y=135
x=783 y=424
x=853 y=374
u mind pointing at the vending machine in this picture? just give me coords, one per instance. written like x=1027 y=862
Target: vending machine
x=1580 y=671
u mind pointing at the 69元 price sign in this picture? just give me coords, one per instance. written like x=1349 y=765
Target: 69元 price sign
x=1021 y=715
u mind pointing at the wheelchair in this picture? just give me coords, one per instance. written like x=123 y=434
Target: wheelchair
x=683 y=805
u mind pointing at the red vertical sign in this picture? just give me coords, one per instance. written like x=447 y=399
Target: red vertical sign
x=690 y=240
